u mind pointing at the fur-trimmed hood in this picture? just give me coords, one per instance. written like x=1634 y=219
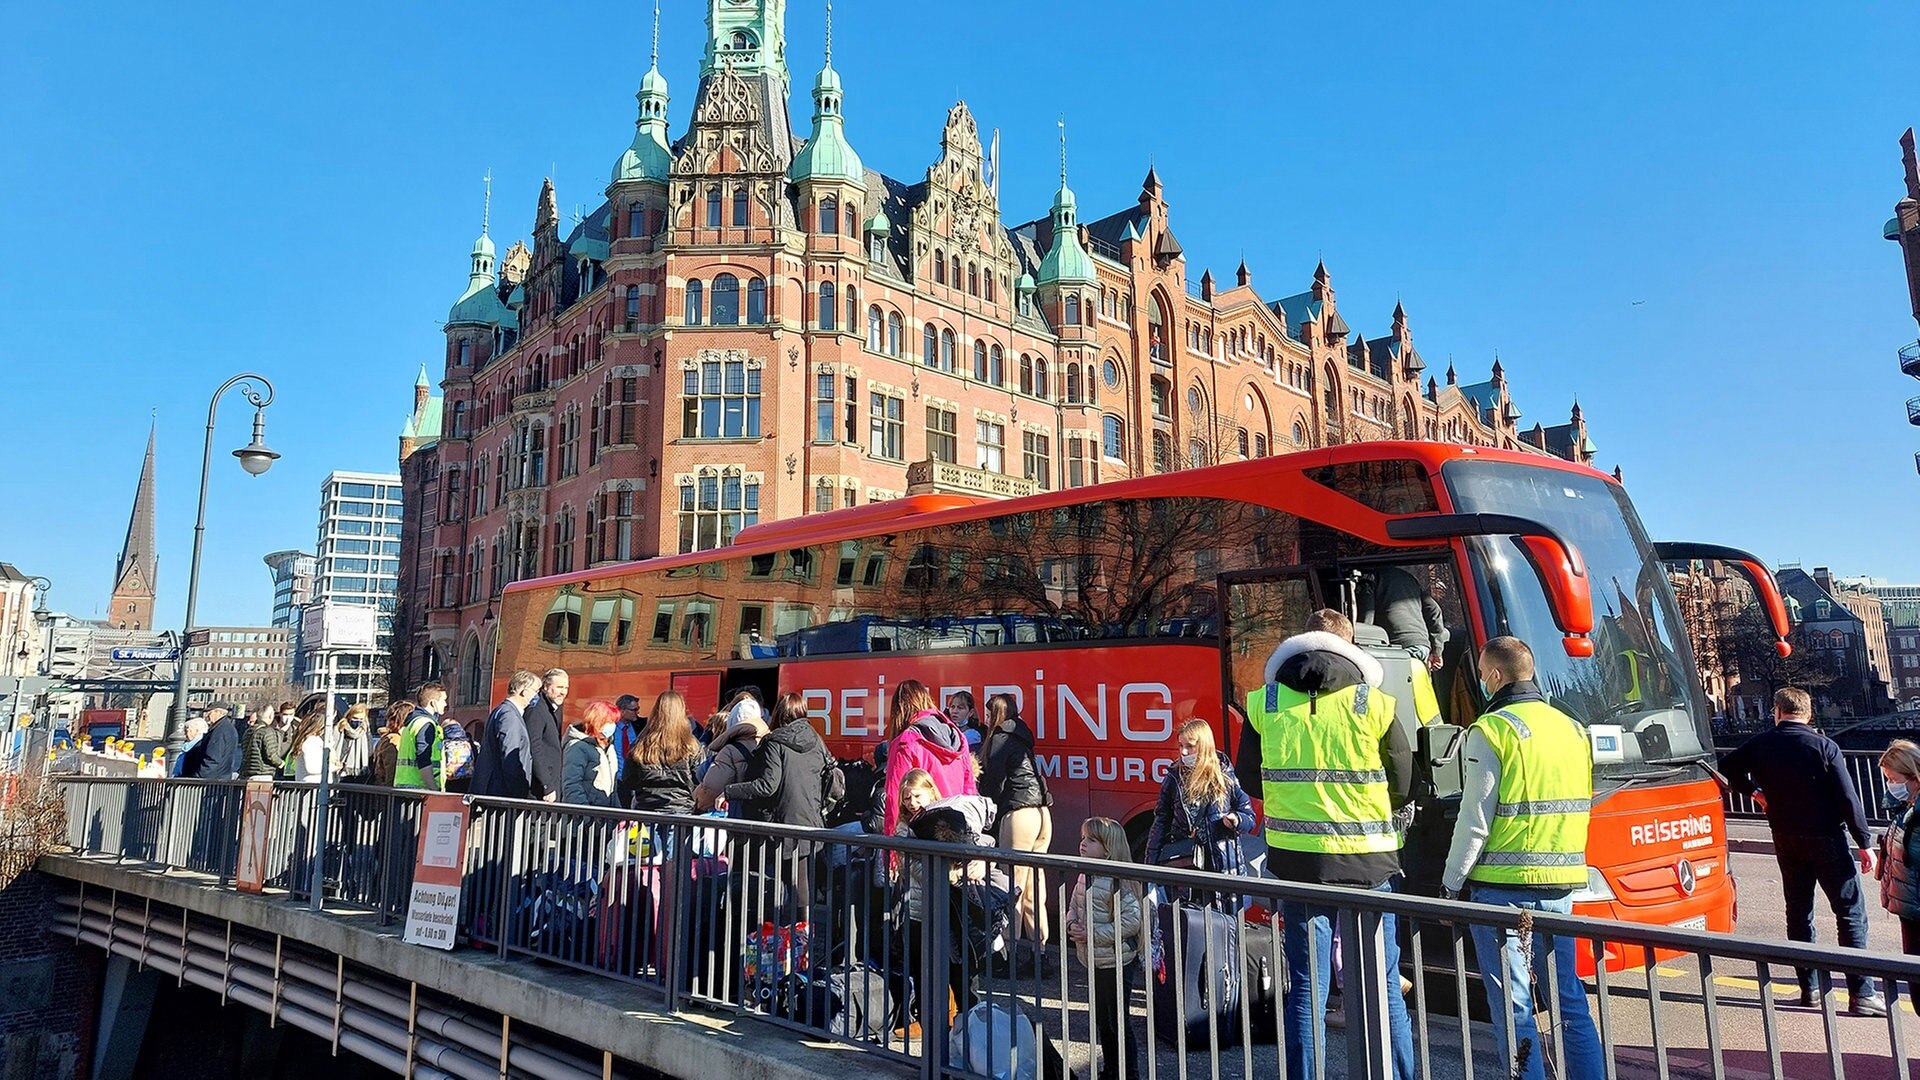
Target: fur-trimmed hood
x=1318 y=661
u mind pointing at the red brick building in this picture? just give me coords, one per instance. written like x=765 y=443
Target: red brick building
x=755 y=325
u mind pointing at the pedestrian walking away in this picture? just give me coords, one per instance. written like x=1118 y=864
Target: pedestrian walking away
x=1010 y=776
x=1521 y=841
x=1334 y=768
x=1820 y=839
x=546 y=726
x=660 y=769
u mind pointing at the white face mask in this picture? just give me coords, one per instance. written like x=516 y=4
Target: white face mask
x=1189 y=759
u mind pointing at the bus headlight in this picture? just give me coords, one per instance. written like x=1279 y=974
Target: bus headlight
x=1595 y=890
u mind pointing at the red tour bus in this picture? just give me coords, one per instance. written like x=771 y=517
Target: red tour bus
x=1113 y=613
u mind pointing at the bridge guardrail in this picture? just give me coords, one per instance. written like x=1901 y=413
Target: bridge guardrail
x=707 y=911
x=1863 y=768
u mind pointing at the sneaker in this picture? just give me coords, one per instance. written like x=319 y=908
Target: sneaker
x=1809 y=998
x=1867 y=1005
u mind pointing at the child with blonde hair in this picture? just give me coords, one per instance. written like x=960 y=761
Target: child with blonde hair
x=1103 y=922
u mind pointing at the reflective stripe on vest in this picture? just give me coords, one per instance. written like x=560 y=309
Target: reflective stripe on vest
x=406 y=770
x=1538 y=835
x=1323 y=781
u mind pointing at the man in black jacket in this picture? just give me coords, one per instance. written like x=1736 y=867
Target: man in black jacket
x=546 y=734
x=1799 y=777
x=217 y=755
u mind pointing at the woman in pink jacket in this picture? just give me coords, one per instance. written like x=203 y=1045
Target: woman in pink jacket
x=919 y=736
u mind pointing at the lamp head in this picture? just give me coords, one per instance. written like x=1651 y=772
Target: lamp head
x=255 y=457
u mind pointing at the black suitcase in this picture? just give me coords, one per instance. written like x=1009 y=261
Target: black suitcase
x=1262 y=985
x=1196 y=980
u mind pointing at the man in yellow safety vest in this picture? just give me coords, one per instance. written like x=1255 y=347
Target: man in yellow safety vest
x=1334 y=768
x=1521 y=841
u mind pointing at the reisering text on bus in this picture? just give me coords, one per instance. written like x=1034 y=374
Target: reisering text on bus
x=1140 y=712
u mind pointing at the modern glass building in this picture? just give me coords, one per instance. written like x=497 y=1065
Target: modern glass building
x=346 y=628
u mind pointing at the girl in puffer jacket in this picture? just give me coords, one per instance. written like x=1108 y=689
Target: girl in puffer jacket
x=1103 y=922
x=1899 y=867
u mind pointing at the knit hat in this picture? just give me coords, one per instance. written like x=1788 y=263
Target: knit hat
x=747 y=708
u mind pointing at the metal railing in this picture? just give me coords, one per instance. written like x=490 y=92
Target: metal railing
x=1863 y=768
x=1910 y=359
x=910 y=949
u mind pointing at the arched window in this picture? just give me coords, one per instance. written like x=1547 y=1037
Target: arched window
x=1113 y=434
x=1160 y=392
x=740 y=205
x=853 y=308
x=876 y=330
x=1026 y=373
x=742 y=41
x=973 y=279
x=1162 y=452
x=757 y=301
x=1041 y=388
x=986 y=286
x=829 y=215
x=1259 y=446
x=827 y=307
x=939 y=268
x=996 y=366
x=980 y=360
x=726 y=300
x=930 y=346
x=893 y=333
x=696 y=303
x=1197 y=453
x=713 y=207
x=1073 y=384
x=636 y=219
x=1157 y=330
x=1072 y=316
x=633 y=303
x=946 y=350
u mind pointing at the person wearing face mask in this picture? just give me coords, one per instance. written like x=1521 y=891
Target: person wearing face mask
x=1899 y=864
x=355 y=746
x=1011 y=778
x=592 y=765
x=1203 y=810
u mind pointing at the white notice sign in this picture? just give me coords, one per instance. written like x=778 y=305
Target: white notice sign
x=433 y=903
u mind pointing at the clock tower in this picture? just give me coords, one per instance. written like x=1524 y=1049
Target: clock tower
x=750 y=36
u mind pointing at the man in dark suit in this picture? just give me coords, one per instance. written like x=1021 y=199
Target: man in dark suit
x=546 y=734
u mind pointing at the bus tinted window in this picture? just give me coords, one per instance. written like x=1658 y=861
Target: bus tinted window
x=1394 y=486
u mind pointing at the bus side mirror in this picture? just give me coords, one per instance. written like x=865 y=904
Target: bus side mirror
x=1555 y=561
x=1747 y=566
x=1437 y=750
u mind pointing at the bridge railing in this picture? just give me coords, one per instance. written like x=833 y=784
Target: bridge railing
x=907 y=948
x=1863 y=768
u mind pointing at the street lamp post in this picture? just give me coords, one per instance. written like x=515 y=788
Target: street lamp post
x=256 y=459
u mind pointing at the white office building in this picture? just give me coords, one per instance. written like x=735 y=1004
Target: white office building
x=346 y=628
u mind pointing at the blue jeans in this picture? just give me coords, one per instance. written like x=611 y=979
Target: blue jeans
x=1510 y=974
x=1304 y=1012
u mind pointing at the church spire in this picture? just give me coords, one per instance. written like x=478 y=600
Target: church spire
x=1066 y=260
x=135 y=576
x=828 y=155
x=648 y=158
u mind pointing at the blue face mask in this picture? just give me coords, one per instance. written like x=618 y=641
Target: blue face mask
x=1900 y=791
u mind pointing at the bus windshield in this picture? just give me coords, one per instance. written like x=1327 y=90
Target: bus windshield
x=1640 y=678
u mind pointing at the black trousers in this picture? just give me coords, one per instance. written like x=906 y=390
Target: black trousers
x=1120 y=1046
x=1825 y=862
x=1909 y=944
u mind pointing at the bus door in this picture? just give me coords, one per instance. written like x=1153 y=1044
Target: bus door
x=763 y=679
x=700 y=688
x=1262 y=609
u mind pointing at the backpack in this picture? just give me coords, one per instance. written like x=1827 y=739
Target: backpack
x=859 y=784
x=833 y=789
x=456 y=751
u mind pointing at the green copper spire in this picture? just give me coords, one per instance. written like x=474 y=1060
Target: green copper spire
x=827 y=156
x=480 y=303
x=749 y=36
x=648 y=158
x=1067 y=261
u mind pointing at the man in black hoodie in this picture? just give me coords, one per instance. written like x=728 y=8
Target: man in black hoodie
x=1334 y=769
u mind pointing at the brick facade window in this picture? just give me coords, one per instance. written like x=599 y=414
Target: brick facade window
x=991 y=440
x=943 y=444
x=726 y=300
x=721 y=400
x=449 y=584
x=618 y=527
x=1037 y=455
x=455 y=493
x=823 y=405
x=563 y=540
x=822 y=497
x=714 y=508
x=713 y=207
x=888 y=435
x=741 y=210
x=1113 y=437
x=830 y=215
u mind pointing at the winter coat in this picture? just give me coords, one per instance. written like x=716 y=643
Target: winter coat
x=546 y=728
x=979 y=814
x=353 y=755
x=787 y=780
x=386 y=758
x=1110 y=912
x=587 y=775
x=217 y=755
x=1010 y=775
x=660 y=789
x=1900 y=864
x=732 y=753
x=933 y=743
x=306 y=759
x=265 y=752
x=1180 y=817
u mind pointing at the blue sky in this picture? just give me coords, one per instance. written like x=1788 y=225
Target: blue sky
x=190 y=191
